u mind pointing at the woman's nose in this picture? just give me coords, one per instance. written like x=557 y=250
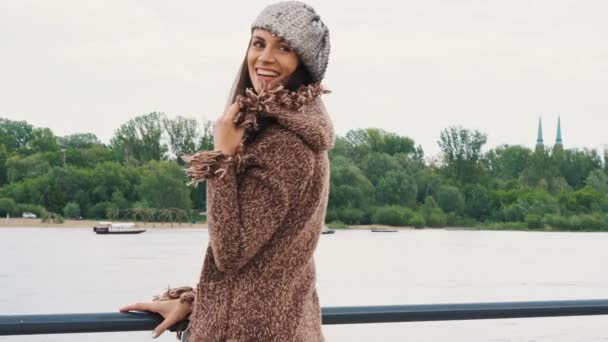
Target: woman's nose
x=266 y=56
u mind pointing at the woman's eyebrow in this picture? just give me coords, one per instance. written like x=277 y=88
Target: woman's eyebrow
x=279 y=39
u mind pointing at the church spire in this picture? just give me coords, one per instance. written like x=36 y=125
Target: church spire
x=558 y=140
x=540 y=144
x=559 y=131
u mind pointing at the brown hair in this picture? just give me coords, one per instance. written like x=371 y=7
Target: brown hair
x=301 y=76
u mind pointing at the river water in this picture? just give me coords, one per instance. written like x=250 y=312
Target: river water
x=72 y=270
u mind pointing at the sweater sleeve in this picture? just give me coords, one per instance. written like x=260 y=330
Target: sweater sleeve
x=245 y=210
x=185 y=294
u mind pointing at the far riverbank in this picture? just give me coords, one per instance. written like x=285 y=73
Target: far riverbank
x=37 y=223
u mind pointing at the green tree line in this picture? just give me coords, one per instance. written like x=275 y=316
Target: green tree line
x=377 y=177
x=78 y=176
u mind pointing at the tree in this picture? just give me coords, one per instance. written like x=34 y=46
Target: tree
x=89 y=157
x=206 y=138
x=64 y=184
x=140 y=139
x=389 y=143
x=392 y=215
x=375 y=165
x=479 y=204
x=183 y=135
x=587 y=199
x=14 y=135
x=418 y=156
x=543 y=167
x=575 y=165
x=163 y=185
x=110 y=177
x=598 y=180
x=341 y=148
x=606 y=160
x=433 y=215
x=71 y=210
x=461 y=150
x=3 y=159
x=397 y=187
x=538 y=202
x=19 y=168
x=348 y=185
x=428 y=183
x=7 y=206
x=361 y=142
x=508 y=162
x=78 y=141
x=450 y=199
x=42 y=140
x=34 y=190
x=119 y=201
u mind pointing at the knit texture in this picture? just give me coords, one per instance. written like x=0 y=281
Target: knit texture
x=302 y=28
x=266 y=207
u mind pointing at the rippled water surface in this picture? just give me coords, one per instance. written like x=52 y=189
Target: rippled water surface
x=55 y=270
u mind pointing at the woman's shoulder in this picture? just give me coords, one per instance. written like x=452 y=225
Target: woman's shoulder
x=279 y=145
x=278 y=138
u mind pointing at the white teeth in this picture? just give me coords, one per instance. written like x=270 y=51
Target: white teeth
x=267 y=73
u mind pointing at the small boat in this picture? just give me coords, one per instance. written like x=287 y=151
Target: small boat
x=326 y=230
x=383 y=230
x=105 y=227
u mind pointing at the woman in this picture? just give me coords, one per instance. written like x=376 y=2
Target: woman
x=268 y=180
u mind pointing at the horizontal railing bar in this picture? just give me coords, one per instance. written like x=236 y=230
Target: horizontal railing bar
x=137 y=321
x=466 y=311
x=77 y=323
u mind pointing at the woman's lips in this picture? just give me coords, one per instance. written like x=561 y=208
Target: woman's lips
x=266 y=74
x=265 y=78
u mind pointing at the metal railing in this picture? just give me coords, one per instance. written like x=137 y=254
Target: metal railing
x=135 y=321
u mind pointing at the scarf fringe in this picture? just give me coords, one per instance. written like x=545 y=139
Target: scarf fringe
x=206 y=164
x=255 y=107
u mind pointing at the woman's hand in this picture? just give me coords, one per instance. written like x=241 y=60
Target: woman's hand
x=226 y=135
x=172 y=311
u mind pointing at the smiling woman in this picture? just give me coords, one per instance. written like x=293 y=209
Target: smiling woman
x=267 y=191
x=270 y=60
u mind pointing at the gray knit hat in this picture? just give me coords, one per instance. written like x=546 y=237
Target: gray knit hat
x=302 y=28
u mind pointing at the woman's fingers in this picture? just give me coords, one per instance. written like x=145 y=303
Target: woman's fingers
x=137 y=307
x=172 y=310
x=169 y=321
x=232 y=111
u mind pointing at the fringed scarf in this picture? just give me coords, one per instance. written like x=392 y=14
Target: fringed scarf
x=257 y=112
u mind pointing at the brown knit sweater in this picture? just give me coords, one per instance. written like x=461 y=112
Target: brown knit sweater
x=266 y=208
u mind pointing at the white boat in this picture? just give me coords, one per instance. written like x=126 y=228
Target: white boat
x=107 y=227
x=326 y=230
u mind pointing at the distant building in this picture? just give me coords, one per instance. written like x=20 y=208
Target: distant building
x=559 y=145
x=540 y=144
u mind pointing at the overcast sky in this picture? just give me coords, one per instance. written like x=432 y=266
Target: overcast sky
x=410 y=67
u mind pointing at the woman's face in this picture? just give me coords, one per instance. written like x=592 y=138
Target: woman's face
x=270 y=60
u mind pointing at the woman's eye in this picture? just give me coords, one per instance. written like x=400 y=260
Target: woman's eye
x=285 y=48
x=258 y=44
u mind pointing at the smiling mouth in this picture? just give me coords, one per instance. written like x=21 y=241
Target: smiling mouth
x=266 y=74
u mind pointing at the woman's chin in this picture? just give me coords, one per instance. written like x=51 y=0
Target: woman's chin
x=259 y=85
